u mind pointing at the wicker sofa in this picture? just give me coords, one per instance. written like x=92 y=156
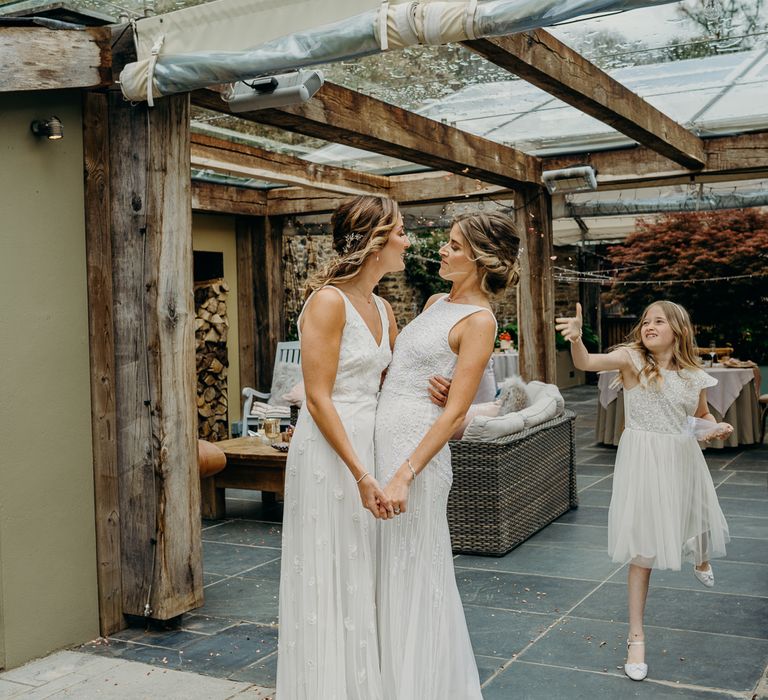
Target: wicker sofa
x=506 y=490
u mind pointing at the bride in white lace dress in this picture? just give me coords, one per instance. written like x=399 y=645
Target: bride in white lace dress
x=328 y=646
x=426 y=653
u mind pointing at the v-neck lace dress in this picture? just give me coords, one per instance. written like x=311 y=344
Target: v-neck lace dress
x=328 y=646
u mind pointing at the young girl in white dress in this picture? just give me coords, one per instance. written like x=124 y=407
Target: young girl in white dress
x=328 y=645
x=664 y=507
x=426 y=653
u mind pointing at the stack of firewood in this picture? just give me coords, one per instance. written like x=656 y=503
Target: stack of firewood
x=211 y=327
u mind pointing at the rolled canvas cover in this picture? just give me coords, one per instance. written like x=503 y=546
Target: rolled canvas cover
x=211 y=46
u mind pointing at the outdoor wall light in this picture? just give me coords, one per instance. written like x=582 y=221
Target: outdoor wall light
x=50 y=128
x=579 y=179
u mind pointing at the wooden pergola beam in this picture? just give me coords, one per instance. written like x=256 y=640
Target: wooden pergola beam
x=344 y=116
x=725 y=158
x=547 y=63
x=226 y=199
x=417 y=188
x=35 y=58
x=244 y=160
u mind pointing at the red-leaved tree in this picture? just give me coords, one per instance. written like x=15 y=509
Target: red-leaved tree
x=698 y=246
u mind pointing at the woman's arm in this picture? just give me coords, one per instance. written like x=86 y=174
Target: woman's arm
x=475 y=336
x=321 y=331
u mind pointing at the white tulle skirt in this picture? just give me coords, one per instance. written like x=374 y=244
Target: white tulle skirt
x=664 y=508
x=328 y=645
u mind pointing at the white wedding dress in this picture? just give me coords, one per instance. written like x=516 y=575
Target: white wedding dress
x=426 y=653
x=328 y=647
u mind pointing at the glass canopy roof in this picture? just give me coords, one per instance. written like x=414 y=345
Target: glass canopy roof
x=718 y=87
x=721 y=94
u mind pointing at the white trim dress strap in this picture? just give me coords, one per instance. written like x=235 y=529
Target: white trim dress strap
x=304 y=307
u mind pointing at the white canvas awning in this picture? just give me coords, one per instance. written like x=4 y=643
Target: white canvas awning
x=231 y=40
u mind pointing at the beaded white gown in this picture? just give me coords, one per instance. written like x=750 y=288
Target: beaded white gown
x=426 y=653
x=327 y=646
x=664 y=508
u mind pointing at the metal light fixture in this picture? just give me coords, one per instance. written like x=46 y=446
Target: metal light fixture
x=579 y=179
x=50 y=128
x=274 y=91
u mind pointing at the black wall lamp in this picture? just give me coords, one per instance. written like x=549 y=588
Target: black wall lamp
x=50 y=128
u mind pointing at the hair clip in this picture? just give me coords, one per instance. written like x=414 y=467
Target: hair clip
x=351 y=241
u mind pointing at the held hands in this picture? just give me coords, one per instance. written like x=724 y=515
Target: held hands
x=374 y=499
x=570 y=327
x=438 y=390
x=397 y=491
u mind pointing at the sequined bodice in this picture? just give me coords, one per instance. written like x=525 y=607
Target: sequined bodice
x=664 y=408
x=422 y=349
x=361 y=360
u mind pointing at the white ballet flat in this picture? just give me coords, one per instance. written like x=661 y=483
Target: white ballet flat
x=637 y=672
x=706 y=578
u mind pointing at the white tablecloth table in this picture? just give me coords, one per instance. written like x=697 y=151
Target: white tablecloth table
x=505 y=365
x=732 y=400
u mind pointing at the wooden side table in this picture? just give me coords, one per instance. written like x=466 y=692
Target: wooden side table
x=251 y=465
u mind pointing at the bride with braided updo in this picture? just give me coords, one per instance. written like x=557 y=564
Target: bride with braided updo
x=425 y=648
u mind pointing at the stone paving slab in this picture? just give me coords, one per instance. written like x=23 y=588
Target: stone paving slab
x=83 y=676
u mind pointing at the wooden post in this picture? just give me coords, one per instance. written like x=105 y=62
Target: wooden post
x=535 y=295
x=150 y=210
x=261 y=297
x=269 y=294
x=98 y=244
x=246 y=306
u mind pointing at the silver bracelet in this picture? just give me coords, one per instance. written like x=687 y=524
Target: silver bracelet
x=357 y=481
x=410 y=466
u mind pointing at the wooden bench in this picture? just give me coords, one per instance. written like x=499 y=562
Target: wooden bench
x=251 y=465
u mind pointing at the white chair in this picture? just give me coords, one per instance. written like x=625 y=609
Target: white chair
x=288 y=352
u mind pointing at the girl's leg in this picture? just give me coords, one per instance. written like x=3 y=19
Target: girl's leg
x=637 y=592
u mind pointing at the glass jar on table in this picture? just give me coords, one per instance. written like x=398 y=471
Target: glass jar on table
x=272 y=428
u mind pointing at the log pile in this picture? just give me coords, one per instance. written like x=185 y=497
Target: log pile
x=211 y=328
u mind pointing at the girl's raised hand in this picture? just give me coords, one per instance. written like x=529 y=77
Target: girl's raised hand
x=571 y=326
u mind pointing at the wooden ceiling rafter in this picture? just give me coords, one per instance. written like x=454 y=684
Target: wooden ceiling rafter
x=341 y=115
x=549 y=64
x=240 y=159
x=38 y=58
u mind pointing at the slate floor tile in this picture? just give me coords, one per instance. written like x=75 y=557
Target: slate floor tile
x=229 y=559
x=692 y=658
x=523 y=592
x=530 y=558
x=250 y=532
x=528 y=681
x=702 y=611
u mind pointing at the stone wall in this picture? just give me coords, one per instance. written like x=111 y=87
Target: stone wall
x=305 y=254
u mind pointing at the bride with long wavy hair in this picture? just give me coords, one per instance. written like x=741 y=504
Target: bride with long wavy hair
x=328 y=644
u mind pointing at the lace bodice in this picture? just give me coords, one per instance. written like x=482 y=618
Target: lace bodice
x=361 y=361
x=664 y=408
x=422 y=349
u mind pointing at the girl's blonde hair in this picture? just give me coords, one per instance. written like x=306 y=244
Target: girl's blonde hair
x=494 y=243
x=361 y=226
x=684 y=352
